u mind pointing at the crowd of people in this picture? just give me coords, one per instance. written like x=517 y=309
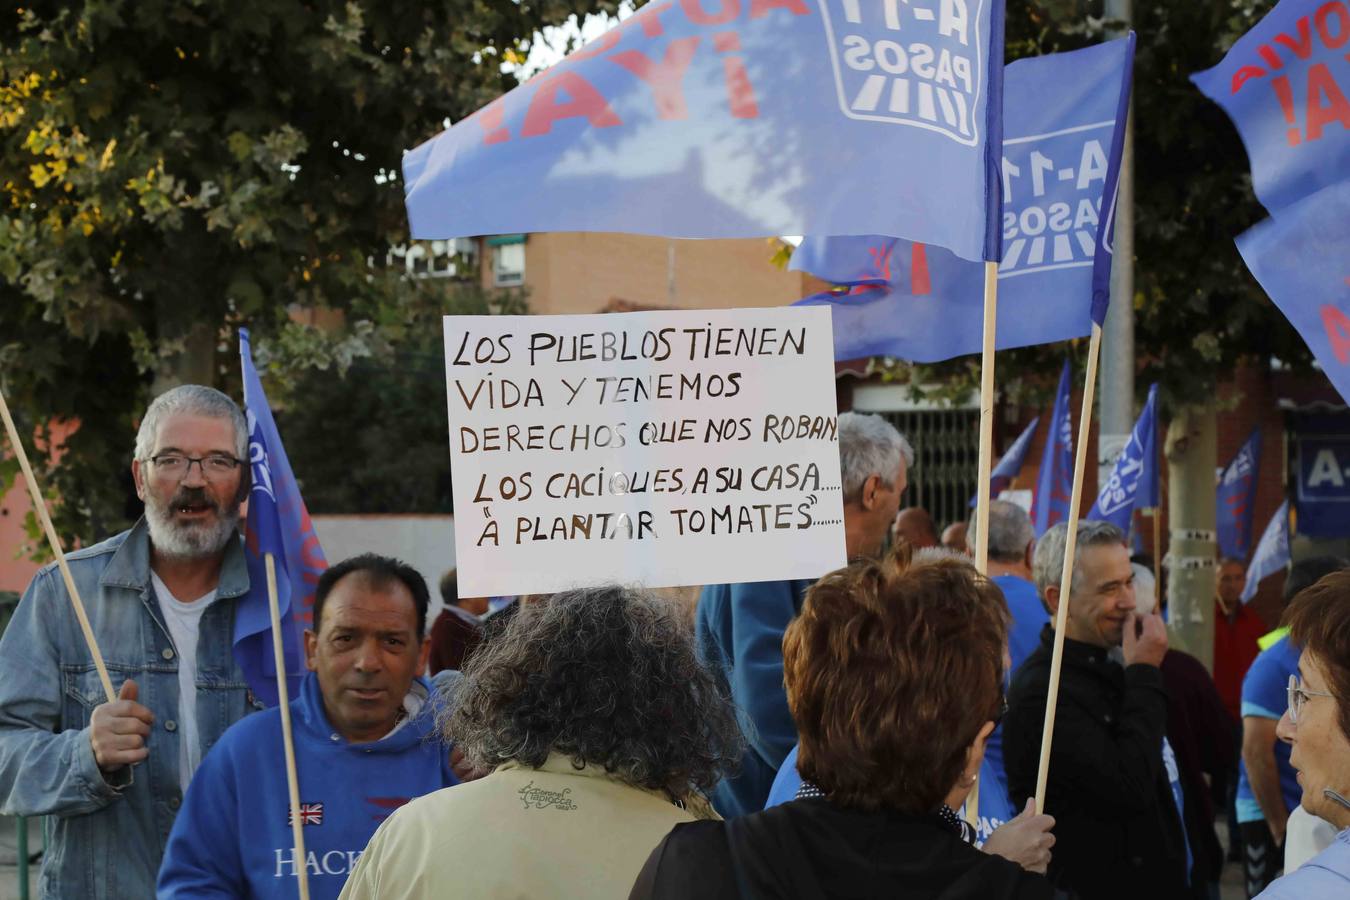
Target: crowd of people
x=874 y=733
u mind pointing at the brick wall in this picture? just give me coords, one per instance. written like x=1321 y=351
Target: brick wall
x=577 y=272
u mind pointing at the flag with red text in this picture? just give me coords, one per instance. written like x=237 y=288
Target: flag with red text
x=741 y=118
x=1286 y=86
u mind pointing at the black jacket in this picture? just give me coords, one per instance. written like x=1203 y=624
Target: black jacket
x=812 y=850
x=1117 y=832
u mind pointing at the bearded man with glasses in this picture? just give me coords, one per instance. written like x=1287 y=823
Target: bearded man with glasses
x=160 y=599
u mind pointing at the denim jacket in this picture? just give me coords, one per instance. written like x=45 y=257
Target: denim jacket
x=107 y=834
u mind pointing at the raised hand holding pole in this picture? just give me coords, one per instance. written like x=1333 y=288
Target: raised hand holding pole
x=1066 y=576
x=40 y=509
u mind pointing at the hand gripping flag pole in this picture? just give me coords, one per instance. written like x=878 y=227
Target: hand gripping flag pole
x=40 y=509
x=283 y=692
x=1066 y=577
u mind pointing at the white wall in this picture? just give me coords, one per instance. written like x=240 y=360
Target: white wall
x=427 y=543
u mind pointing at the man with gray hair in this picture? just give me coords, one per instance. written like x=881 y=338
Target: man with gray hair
x=160 y=599
x=1118 y=830
x=740 y=626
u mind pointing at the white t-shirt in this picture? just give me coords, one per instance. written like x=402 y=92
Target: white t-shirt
x=1305 y=837
x=183 y=620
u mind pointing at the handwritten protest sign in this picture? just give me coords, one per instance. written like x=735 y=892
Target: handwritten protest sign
x=660 y=448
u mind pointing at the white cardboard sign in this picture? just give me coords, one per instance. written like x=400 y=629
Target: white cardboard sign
x=653 y=448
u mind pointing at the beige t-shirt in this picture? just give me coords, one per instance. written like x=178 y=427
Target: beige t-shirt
x=552 y=832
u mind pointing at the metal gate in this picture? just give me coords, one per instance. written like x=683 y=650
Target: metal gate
x=946 y=460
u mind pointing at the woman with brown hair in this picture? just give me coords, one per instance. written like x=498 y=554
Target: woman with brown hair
x=1317 y=725
x=894 y=676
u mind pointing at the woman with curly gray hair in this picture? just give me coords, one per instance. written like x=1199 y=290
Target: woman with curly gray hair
x=602 y=731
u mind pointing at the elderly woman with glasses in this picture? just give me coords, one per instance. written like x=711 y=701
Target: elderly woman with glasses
x=1317 y=726
x=602 y=731
x=894 y=676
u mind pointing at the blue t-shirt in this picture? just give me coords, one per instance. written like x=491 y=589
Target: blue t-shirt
x=1029 y=618
x=995 y=807
x=1265 y=693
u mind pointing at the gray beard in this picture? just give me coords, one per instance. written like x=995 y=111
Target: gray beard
x=189 y=541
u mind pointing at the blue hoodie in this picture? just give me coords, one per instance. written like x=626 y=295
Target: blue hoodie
x=232 y=837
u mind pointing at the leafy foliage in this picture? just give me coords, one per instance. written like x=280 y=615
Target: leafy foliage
x=171 y=168
x=373 y=439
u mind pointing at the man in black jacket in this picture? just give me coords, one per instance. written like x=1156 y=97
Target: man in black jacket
x=1118 y=832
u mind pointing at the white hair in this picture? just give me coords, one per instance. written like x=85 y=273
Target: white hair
x=869 y=445
x=1010 y=531
x=928 y=555
x=190 y=399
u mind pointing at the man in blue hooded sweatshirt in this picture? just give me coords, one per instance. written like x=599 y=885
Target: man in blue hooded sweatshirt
x=740 y=626
x=365 y=744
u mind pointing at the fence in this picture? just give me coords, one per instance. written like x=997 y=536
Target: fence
x=947 y=454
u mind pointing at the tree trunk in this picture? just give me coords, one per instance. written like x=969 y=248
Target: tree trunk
x=1115 y=386
x=186 y=349
x=1191 y=450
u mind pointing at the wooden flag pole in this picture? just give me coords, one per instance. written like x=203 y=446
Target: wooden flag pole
x=1157 y=539
x=40 y=509
x=284 y=701
x=986 y=464
x=1066 y=576
x=1157 y=557
x=986 y=418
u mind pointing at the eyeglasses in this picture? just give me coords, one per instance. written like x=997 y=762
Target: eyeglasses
x=215 y=467
x=1298 y=696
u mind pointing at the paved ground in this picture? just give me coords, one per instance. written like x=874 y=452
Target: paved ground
x=1231 y=887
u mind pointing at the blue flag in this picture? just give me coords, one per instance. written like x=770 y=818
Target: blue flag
x=1285 y=85
x=279 y=524
x=1237 y=499
x=1272 y=552
x=741 y=118
x=1065 y=126
x=1005 y=473
x=1054 y=483
x=1302 y=259
x=1135 y=468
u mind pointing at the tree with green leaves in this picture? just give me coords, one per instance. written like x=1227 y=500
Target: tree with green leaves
x=169 y=170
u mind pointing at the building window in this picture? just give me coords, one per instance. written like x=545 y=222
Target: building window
x=508 y=264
